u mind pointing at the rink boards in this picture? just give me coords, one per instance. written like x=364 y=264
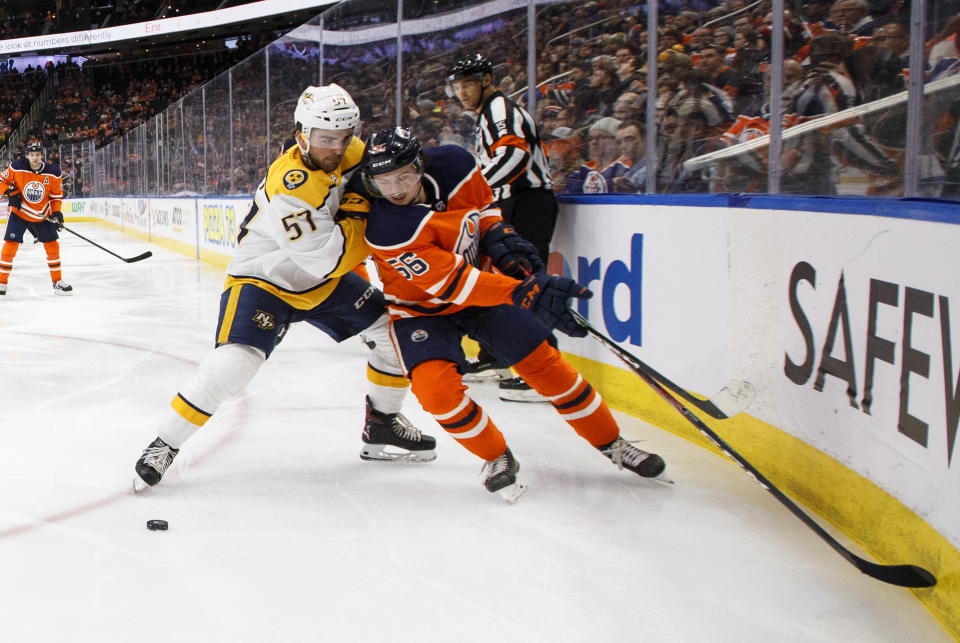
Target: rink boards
x=836 y=310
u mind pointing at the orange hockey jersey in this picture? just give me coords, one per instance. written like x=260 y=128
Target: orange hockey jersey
x=428 y=254
x=40 y=190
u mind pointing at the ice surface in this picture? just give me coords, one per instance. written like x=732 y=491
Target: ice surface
x=279 y=532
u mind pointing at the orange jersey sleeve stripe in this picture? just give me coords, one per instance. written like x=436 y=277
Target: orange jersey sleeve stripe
x=510 y=140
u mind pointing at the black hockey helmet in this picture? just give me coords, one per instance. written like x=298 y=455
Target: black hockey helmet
x=33 y=146
x=389 y=150
x=473 y=65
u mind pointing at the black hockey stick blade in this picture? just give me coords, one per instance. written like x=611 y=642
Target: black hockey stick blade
x=731 y=400
x=902 y=575
x=139 y=257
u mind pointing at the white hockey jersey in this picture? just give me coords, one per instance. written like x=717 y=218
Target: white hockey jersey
x=290 y=243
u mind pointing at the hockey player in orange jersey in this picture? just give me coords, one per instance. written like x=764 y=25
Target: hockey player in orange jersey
x=34 y=190
x=431 y=221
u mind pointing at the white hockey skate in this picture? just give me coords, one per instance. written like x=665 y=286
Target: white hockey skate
x=62 y=288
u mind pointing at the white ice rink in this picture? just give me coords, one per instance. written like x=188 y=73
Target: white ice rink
x=280 y=533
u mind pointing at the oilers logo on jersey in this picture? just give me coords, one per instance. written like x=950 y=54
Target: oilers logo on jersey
x=33 y=192
x=468 y=243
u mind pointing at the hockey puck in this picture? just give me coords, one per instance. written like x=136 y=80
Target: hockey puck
x=157 y=525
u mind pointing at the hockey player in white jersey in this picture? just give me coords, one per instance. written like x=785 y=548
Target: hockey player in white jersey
x=296 y=254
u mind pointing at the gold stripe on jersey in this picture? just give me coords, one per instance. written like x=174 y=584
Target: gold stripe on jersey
x=189 y=412
x=386 y=379
x=229 y=312
x=353 y=202
x=355 y=253
x=305 y=300
x=355 y=248
x=310 y=186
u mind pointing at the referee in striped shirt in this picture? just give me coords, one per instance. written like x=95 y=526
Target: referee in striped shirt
x=514 y=163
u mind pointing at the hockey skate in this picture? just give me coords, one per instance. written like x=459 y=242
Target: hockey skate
x=382 y=430
x=500 y=476
x=62 y=288
x=626 y=456
x=484 y=369
x=3 y=289
x=153 y=464
x=515 y=389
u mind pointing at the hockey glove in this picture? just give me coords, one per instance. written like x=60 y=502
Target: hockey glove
x=13 y=197
x=513 y=255
x=546 y=296
x=57 y=218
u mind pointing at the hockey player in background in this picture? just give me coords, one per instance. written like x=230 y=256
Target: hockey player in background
x=34 y=191
x=515 y=165
x=296 y=252
x=432 y=221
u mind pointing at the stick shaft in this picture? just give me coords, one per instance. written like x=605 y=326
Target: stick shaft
x=903 y=575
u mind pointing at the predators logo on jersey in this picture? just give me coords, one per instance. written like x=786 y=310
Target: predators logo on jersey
x=294 y=179
x=264 y=320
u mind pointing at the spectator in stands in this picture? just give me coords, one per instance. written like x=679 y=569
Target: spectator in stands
x=563 y=146
x=699 y=39
x=631 y=142
x=723 y=36
x=629 y=106
x=809 y=165
x=949 y=46
x=699 y=122
x=875 y=72
x=852 y=17
x=817 y=12
x=895 y=37
x=626 y=64
x=718 y=73
x=604 y=164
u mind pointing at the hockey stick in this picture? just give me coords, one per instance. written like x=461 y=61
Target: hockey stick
x=140 y=257
x=731 y=400
x=902 y=575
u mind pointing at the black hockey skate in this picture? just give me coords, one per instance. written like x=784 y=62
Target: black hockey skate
x=153 y=464
x=515 y=389
x=626 y=456
x=500 y=476
x=484 y=368
x=382 y=430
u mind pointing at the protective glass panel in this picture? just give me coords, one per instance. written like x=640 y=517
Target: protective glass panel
x=217 y=123
x=249 y=123
x=195 y=174
x=360 y=54
x=293 y=63
x=435 y=39
x=939 y=145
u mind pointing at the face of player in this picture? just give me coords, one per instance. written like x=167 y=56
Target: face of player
x=401 y=186
x=326 y=147
x=35 y=159
x=469 y=91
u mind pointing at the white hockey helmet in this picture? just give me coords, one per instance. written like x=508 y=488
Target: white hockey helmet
x=328 y=107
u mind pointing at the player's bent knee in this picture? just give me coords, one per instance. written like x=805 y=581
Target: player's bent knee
x=437 y=385
x=229 y=368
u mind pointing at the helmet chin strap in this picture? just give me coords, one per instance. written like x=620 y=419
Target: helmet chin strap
x=305 y=152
